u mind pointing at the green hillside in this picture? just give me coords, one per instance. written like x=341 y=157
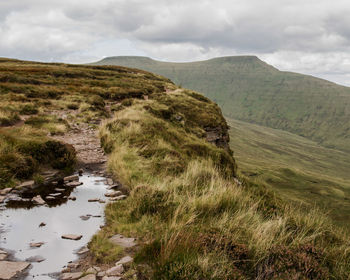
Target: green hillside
x=250 y=90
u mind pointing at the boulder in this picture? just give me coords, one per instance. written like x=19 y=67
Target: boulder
x=123 y=241
x=71 y=236
x=38 y=200
x=9 y=270
x=115 y=271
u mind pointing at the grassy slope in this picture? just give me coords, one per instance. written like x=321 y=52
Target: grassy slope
x=248 y=89
x=192 y=219
x=38 y=92
x=298 y=168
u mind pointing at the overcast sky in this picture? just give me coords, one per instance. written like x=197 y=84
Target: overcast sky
x=307 y=36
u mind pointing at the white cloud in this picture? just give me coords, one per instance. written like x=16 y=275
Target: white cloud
x=304 y=36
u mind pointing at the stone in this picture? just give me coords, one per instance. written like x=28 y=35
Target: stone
x=98 y=269
x=38 y=200
x=82 y=251
x=115 y=271
x=81 y=171
x=73 y=184
x=123 y=241
x=72 y=198
x=125 y=260
x=84 y=218
x=49 y=197
x=91 y=270
x=2 y=199
x=89 y=277
x=37 y=259
x=26 y=185
x=93 y=200
x=71 y=178
x=73 y=265
x=2 y=252
x=101 y=273
x=9 y=270
x=109 y=181
x=3 y=256
x=55 y=194
x=72 y=236
x=36 y=244
x=101 y=201
x=115 y=186
x=111 y=278
x=113 y=194
x=42 y=224
x=5 y=191
x=71 y=276
x=59 y=190
x=120 y=197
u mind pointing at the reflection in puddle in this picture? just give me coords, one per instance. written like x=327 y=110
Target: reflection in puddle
x=20 y=226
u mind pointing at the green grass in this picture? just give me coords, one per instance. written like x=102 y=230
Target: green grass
x=250 y=90
x=294 y=166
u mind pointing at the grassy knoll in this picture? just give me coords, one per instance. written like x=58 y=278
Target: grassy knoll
x=296 y=167
x=250 y=90
x=192 y=220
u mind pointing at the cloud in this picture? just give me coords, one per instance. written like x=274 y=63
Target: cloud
x=304 y=36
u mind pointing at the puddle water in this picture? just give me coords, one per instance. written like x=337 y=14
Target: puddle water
x=20 y=226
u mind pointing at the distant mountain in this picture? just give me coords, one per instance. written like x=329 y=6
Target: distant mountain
x=249 y=89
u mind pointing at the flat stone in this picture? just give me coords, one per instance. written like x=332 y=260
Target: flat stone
x=59 y=190
x=71 y=178
x=5 y=191
x=72 y=236
x=36 y=244
x=93 y=200
x=2 y=199
x=11 y=269
x=120 y=197
x=72 y=198
x=114 y=186
x=26 y=185
x=101 y=201
x=38 y=200
x=115 y=271
x=49 y=197
x=3 y=256
x=55 y=194
x=111 y=278
x=82 y=251
x=113 y=194
x=89 y=277
x=125 y=260
x=73 y=184
x=84 y=218
x=123 y=241
x=71 y=276
x=37 y=259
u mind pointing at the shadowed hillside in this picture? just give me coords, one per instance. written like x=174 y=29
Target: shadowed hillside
x=248 y=89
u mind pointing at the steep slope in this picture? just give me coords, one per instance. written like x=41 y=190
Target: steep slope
x=168 y=147
x=248 y=89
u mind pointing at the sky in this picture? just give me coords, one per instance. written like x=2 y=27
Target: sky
x=305 y=36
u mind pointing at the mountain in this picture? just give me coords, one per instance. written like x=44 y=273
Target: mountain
x=250 y=90
x=193 y=216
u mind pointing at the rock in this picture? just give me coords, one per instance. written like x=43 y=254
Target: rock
x=98 y=269
x=91 y=270
x=73 y=184
x=89 y=277
x=80 y=172
x=125 y=260
x=2 y=199
x=55 y=194
x=49 y=197
x=10 y=269
x=71 y=276
x=120 y=197
x=101 y=201
x=122 y=241
x=36 y=244
x=113 y=194
x=38 y=200
x=101 y=273
x=109 y=181
x=3 y=256
x=73 y=265
x=26 y=185
x=5 y=191
x=71 y=178
x=82 y=251
x=93 y=200
x=37 y=259
x=59 y=190
x=42 y=224
x=115 y=271
x=84 y=218
x=111 y=278
x=72 y=236
x=72 y=198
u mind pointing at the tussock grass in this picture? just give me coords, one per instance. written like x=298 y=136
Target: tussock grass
x=192 y=220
